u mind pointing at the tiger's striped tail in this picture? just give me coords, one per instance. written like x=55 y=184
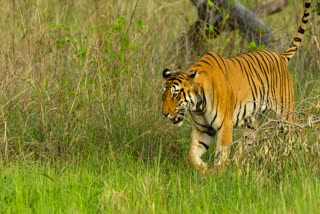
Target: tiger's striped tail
x=290 y=52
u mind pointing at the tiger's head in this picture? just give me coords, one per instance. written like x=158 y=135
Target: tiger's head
x=179 y=94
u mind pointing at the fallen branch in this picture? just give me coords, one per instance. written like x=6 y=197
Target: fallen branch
x=229 y=15
x=270 y=8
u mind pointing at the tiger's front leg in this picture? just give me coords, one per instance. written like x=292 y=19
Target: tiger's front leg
x=201 y=141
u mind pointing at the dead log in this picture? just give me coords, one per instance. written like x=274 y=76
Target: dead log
x=228 y=15
x=270 y=8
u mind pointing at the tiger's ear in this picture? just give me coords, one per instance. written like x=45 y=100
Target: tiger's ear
x=192 y=74
x=166 y=73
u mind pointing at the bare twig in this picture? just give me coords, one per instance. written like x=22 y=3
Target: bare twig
x=314 y=37
x=274 y=121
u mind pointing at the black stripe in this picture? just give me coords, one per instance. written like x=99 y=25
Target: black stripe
x=212 y=63
x=197 y=64
x=220 y=125
x=264 y=64
x=215 y=60
x=174 y=79
x=204 y=126
x=249 y=125
x=306 y=14
x=216 y=115
x=239 y=63
x=244 y=111
x=269 y=61
x=296 y=39
x=204 y=145
x=189 y=95
x=249 y=76
x=211 y=132
x=253 y=66
x=266 y=84
x=238 y=119
x=222 y=59
x=301 y=30
x=278 y=69
x=204 y=61
x=260 y=64
x=307 y=5
x=204 y=101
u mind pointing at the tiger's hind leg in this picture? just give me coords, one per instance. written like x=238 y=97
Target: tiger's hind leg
x=249 y=132
x=248 y=139
x=223 y=145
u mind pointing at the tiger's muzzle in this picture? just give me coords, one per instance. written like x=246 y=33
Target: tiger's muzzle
x=177 y=118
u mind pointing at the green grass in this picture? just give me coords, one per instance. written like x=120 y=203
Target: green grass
x=80 y=123
x=131 y=185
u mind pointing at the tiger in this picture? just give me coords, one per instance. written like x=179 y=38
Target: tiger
x=221 y=94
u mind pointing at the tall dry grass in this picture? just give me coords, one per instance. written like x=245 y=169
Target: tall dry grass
x=83 y=78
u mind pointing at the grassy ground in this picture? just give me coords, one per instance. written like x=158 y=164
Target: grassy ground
x=81 y=130
x=134 y=186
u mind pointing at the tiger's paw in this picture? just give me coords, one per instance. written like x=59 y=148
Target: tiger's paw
x=202 y=168
x=216 y=170
x=219 y=168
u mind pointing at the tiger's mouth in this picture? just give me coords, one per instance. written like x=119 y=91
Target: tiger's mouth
x=178 y=118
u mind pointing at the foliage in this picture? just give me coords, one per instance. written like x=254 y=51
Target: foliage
x=127 y=185
x=254 y=47
x=80 y=124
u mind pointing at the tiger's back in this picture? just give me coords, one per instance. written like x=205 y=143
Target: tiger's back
x=262 y=78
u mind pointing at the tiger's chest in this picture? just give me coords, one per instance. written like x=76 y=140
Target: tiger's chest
x=205 y=122
x=243 y=114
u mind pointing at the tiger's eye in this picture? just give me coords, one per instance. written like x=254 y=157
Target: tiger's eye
x=175 y=95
